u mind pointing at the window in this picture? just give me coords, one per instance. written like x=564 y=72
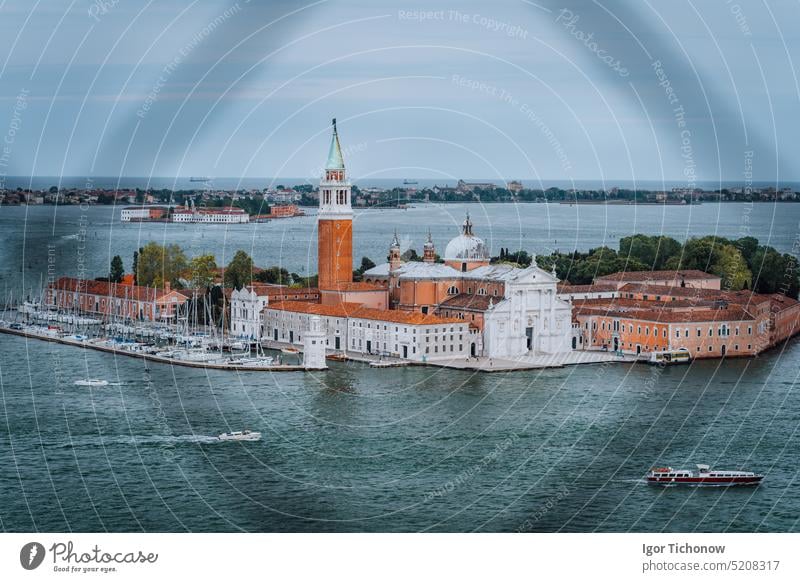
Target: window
x=452 y=290
x=482 y=291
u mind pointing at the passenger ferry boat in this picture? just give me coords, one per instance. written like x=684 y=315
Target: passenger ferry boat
x=670 y=357
x=703 y=476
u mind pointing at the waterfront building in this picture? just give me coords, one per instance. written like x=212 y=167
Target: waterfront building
x=192 y=214
x=707 y=322
x=248 y=302
x=284 y=211
x=142 y=213
x=116 y=300
x=516 y=311
x=357 y=330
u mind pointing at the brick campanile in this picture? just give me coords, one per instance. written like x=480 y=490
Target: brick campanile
x=335 y=222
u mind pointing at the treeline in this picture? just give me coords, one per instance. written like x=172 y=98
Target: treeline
x=154 y=265
x=742 y=263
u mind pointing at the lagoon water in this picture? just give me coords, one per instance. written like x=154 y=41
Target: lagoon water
x=43 y=241
x=405 y=449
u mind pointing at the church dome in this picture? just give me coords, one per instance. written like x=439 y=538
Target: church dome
x=466 y=246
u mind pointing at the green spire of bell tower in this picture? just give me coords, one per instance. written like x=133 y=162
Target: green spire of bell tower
x=335 y=159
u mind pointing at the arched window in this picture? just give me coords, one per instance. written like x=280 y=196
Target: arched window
x=452 y=290
x=482 y=291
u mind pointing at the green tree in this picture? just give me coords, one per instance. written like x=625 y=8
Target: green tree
x=775 y=273
x=117 y=270
x=274 y=276
x=732 y=268
x=717 y=255
x=653 y=251
x=202 y=271
x=239 y=271
x=157 y=265
x=749 y=247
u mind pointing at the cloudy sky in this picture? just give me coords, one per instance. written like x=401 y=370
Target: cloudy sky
x=567 y=90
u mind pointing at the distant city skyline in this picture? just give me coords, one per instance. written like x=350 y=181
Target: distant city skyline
x=568 y=91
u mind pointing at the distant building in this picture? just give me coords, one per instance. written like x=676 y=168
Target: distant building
x=284 y=211
x=142 y=213
x=193 y=214
x=515 y=186
x=463 y=186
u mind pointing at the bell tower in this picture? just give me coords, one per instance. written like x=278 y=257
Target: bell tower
x=395 y=259
x=429 y=250
x=335 y=222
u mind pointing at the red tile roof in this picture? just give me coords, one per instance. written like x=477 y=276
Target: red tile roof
x=356 y=311
x=656 y=275
x=666 y=314
x=469 y=301
x=357 y=286
x=565 y=288
x=106 y=289
x=278 y=290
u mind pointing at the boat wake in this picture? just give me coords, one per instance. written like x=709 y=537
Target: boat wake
x=143 y=440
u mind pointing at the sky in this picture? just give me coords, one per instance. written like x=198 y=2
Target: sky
x=509 y=89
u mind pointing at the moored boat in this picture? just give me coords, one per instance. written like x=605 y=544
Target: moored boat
x=670 y=357
x=704 y=475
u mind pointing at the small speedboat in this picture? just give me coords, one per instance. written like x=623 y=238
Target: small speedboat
x=91 y=382
x=241 y=435
x=290 y=351
x=704 y=475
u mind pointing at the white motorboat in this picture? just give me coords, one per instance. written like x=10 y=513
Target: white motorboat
x=264 y=362
x=92 y=382
x=240 y=435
